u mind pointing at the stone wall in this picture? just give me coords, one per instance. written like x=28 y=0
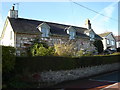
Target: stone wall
x=60 y=76
x=24 y=40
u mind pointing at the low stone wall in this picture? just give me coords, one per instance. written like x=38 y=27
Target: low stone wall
x=60 y=76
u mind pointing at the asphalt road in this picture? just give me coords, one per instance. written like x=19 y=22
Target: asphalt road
x=91 y=83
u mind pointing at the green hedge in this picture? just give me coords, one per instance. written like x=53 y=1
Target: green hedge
x=8 y=58
x=39 y=64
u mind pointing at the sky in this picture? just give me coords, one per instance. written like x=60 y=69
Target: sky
x=67 y=13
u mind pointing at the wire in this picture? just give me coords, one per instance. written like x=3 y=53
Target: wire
x=94 y=11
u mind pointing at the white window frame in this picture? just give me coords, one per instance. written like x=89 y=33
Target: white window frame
x=44 y=29
x=108 y=41
x=71 y=31
x=112 y=42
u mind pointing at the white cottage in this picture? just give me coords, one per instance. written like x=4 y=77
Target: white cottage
x=19 y=32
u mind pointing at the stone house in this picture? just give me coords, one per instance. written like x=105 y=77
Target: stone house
x=19 y=32
x=109 y=40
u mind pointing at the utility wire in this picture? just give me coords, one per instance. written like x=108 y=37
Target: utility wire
x=94 y=11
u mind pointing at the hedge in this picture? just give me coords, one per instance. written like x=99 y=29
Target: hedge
x=42 y=63
x=8 y=58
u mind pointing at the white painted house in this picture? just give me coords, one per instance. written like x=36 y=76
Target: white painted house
x=117 y=41
x=20 y=32
x=109 y=40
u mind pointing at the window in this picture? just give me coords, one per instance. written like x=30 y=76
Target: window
x=108 y=41
x=72 y=34
x=44 y=29
x=10 y=34
x=45 y=32
x=112 y=42
x=71 y=31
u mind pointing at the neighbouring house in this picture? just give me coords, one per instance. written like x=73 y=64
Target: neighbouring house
x=20 y=32
x=109 y=41
x=117 y=41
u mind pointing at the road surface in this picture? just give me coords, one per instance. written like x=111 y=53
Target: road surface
x=101 y=82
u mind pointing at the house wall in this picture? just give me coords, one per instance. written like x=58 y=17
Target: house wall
x=80 y=43
x=110 y=38
x=8 y=35
x=23 y=41
x=118 y=44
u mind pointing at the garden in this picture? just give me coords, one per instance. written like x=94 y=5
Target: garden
x=18 y=71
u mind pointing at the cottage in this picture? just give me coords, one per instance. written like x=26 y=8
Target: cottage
x=19 y=32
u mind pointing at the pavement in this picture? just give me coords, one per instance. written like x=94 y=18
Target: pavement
x=109 y=81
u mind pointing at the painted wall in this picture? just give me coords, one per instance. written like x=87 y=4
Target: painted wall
x=8 y=35
x=118 y=44
x=110 y=38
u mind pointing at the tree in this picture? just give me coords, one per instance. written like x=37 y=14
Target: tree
x=99 y=45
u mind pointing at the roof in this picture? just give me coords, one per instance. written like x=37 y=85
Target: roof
x=96 y=36
x=29 y=26
x=117 y=38
x=104 y=34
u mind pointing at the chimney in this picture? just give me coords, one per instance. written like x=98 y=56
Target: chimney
x=13 y=8
x=88 y=24
x=13 y=13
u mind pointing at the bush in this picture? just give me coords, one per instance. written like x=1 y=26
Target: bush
x=84 y=53
x=99 y=46
x=8 y=58
x=65 y=49
x=39 y=50
x=45 y=63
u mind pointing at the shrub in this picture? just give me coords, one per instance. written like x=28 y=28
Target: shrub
x=99 y=46
x=46 y=63
x=39 y=50
x=84 y=53
x=65 y=49
x=8 y=58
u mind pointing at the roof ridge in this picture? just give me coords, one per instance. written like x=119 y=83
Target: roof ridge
x=52 y=22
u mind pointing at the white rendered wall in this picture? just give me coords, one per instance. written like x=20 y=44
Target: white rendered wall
x=6 y=39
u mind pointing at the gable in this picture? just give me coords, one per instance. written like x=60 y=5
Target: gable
x=6 y=25
x=44 y=25
x=70 y=29
x=110 y=36
x=8 y=35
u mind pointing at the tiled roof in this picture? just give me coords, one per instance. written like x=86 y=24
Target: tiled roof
x=104 y=34
x=117 y=38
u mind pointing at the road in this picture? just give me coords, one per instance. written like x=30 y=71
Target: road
x=104 y=81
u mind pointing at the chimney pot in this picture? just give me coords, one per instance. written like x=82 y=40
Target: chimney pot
x=13 y=8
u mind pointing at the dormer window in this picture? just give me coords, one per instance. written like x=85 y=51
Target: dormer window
x=92 y=35
x=72 y=32
x=44 y=29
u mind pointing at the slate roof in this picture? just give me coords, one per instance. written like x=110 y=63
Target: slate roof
x=117 y=38
x=29 y=26
x=104 y=34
